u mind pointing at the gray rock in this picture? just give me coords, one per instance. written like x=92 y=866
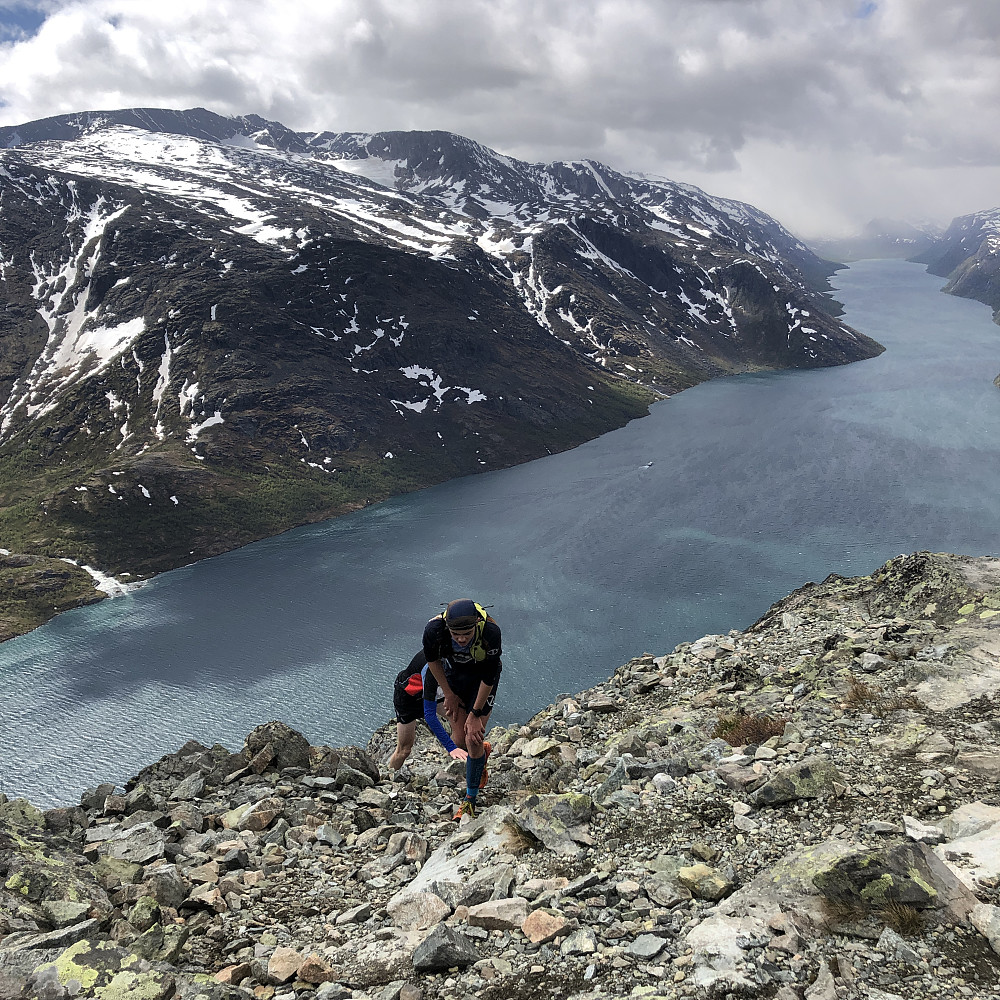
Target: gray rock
x=355 y=915
x=970 y=819
x=291 y=748
x=64 y=912
x=327 y=834
x=335 y=991
x=140 y=844
x=921 y=832
x=986 y=919
x=140 y=799
x=675 y=767
x=51 y=939
x=613 y=783
x=811 y=779
x=444 y=948
x=190 y=788
x=892 y=945
x=580 y=942
x=824 y=988
x=167 y=886
x=646 y=947
x=93 y=799
x=558 y=821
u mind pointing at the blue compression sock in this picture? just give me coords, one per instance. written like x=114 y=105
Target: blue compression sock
x=474 y=767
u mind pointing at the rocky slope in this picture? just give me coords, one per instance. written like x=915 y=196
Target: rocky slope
x=215 y=328
x=805 y=810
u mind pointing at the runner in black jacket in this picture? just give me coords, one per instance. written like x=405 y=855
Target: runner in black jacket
x=463 y=651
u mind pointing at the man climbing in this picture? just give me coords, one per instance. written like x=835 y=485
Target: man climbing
x=461 y=657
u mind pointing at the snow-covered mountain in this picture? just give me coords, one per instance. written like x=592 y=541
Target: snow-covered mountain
x=217 y=327
x=968 y=254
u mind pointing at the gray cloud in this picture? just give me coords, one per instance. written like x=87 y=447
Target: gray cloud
x=823 y=112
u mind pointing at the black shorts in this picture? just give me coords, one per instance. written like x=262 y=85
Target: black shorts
x=468 y=691
x=408 y=699
x=408 y=693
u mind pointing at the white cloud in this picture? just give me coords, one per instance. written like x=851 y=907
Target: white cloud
x=823 y=112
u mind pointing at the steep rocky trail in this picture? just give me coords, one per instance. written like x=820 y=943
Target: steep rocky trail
x=807 y=810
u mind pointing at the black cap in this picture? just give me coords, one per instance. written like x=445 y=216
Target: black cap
x=462 y=615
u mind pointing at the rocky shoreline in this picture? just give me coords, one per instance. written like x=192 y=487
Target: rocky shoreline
x=806 y=810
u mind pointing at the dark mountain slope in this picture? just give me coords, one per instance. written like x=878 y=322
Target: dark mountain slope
x=217 y=328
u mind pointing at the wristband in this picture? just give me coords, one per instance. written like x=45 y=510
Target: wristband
x=480 y=712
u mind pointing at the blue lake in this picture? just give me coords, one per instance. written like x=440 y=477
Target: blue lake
x=758 y=483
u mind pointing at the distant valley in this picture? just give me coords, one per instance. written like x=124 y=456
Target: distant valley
x=217 y=328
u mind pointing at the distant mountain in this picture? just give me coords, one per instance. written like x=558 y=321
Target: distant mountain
x=968 y=254
x=880 y=239
x=216 y=328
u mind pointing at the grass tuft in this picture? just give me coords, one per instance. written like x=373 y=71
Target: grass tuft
x=905 y=920
x=740 y=729
x=863 y=696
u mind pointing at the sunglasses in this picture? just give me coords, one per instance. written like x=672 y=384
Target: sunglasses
x=463 y=630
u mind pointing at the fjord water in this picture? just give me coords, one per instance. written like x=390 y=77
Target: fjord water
x=689 y=521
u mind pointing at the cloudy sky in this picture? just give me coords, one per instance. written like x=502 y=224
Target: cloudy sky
x=824 y=113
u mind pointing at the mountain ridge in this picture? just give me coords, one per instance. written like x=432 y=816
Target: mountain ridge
x=218 y=328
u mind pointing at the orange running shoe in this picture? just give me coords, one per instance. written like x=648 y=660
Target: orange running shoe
x=467 y=808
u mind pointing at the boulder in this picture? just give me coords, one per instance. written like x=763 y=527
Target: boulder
x=813 y=778
x=646 y=947
x=705 y=882
x=139 y=844
x=907 y=874
x=166 y=885
x=970 y=819
x=974 y=857
x=541 y=926
x=444 y=948
x=102 y=969
x=986 y=919
x=283 y=965
x=190 y=787
x=559 y=821
x=580 y=942
x=326 y=762
x=499 y=914
x=374 y=962
x=417 y=910
x=748 y=914
x=290 y=748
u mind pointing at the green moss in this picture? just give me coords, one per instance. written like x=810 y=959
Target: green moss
x=135 y=986
x=17 y=883
x=69 y=969
x=875 y=892
x=922 y=883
